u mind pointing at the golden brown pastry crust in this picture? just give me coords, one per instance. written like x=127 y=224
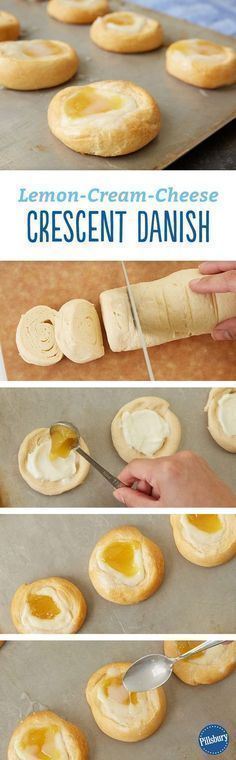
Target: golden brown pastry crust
x=206 y=554
x=36 y=73
x=70 y=594
x=111 y=727
x=1 y=643
x=156 y=404
x=213 y=665
x=46 y=487
x=137 y=34
x=125 y=133
x=9 y=27
x=120 y=593
x=208 y=71
x=83 y=13
x=76 y=742
x=215 y=429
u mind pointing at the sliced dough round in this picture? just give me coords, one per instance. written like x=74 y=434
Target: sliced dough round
x=47 y=477
x=123 y=716
x=78 y=331
x=206 y=540
x=145 y=428
x=202 y=63
x=9 y=27
x=35 y=337
x=108 y=118
x=125 y=567
x=221 y=408
x=46 y=728
x=36 y=64
x=49 y=605
x=126 y=32
x=206 y=667
x=77 y=11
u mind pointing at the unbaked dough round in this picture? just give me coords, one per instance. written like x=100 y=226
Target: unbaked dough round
x=123 y=716
x=206 y=667
x=49 y=605
x=45 y=728
x=78 y=331
x=143 y=410
x=221 y=408
x=77 y=11
x=206 y=540
x=9 y=27
x=125 y=567
x=126 y=32
x=36 y=64
x=35 y=337
x=108 y=118
x=202 y=63
x=33 y=459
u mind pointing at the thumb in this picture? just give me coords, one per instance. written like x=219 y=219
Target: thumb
x=132 y=498
x=225 y=330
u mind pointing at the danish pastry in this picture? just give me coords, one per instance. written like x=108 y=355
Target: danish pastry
x=36 y=64
x=221 y=409
x=51 y=605
x=78 y=331
x=45 y=735
x=35 y=337
x=123 y=716
x=202 y=63
x=9 y=27
x=77 y=11
x=126 y=32
x=110 y=118
x=145 y=427
x=50 y=476
x=206 y=540
x=205 y=667
x=125 y=567
x=1 y=643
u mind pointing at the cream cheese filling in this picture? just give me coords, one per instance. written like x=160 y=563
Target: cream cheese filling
x=53 y=747
x=226 y=413
x=41 y=467
x=134 y=23
x=121 y=578
x=200 y=539
x=62 y=620
x=144 y=430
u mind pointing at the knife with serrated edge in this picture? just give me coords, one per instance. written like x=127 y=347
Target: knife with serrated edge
x=137 y=324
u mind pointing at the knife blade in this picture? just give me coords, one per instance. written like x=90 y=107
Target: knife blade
x=137 y=324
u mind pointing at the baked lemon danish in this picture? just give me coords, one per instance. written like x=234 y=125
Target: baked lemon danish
x=9 y=27
x=46 y=736
x=221 y=409
x=202 y=63
x=206 y=540
x=50 y=473
x=36 y=64
x=126 y=32
x=77 y=11
x=205 y=667
x=145 y=427
x=49 y=605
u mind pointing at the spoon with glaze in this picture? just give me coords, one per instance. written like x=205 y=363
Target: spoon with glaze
x=73 y=439
x=152 y=671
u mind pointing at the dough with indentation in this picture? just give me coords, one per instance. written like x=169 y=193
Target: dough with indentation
x=126 y=32
x=227 y=442
x=9 y=27
x=155 y=404
x=36 y=64
x=202 y=63
x=78 y=331
x=211 y=666
x=35 y=337
x=47 y=487
x=72 y=742
x=203 y=548
x=67 y=597
x=77 y=11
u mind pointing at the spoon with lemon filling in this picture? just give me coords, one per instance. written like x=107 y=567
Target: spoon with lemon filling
x=65 y=437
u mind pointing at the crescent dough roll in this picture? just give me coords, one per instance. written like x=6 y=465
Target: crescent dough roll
x=126 y=32
x=35 y=337
x=204 y=668
x=123 y=716
x=78 y=331
x=44 y=475
x=46 y=735
x=9 y=27
x=77 y=11
x=221 y=409
x=49 y=605
x=168 y=310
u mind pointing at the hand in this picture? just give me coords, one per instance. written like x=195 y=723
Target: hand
x=221 y=279
x=182 y=480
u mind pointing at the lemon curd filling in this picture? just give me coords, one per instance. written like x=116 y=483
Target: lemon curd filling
x=42 y=742
x=88 y=101
x=42 y=607
x=63 y=440
x=120 y=556
x=113 y=688
x=207 y=523
x=185 y=646
x=40 y=49
x=198 y=47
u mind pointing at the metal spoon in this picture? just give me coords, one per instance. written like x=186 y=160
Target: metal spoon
x=111 y=479
x=153 y=670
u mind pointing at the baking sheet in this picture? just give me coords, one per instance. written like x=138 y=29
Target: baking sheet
x=53 y=675
x=39 y=546
x=23 y=410
x=26 y=284
x=189 y=114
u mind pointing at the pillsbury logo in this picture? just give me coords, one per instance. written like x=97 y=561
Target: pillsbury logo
x=213 y=739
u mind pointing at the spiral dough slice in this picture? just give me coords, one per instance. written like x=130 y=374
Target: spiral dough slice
x=35 y=337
